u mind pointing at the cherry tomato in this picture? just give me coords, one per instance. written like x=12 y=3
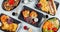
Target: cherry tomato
x=11 y=2
x=54 y=29
x=49 y=28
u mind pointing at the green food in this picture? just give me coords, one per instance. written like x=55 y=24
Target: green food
x=50 y=30
x=51 y=25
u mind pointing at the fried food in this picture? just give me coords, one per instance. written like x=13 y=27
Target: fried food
x=47 y=6
x=14 y=27
x=26 y=13
x=6 y=26
x=33 y=14
x=10 y=27
x=4 y=18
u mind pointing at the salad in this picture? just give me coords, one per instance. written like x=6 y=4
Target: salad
x=51 y=25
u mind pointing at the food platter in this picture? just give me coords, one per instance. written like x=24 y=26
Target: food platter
x=40 y=15
x=16 y=24
x=51 y=20
x=29 y=15
x=56 y=3
x=9 y=5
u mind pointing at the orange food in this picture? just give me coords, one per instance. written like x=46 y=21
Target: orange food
x=10 y=27
x=48 y=24
x=6 y=26
x=4 y=18
x=14 y=26
x=51 y=25
x=33 y=14
x=26 y=13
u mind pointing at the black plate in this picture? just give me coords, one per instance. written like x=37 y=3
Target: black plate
x=14 y=21
x=56 y=3
x=40 y=15
x=11 y=9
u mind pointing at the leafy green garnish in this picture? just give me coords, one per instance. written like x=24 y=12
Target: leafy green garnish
x=50 y=30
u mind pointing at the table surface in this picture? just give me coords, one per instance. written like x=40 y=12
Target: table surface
x=31 y=5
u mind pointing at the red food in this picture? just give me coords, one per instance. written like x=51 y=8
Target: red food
x=54 y=29
x=11 y=2
x=49 y=28
x=25 y=28
x=39 y=5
